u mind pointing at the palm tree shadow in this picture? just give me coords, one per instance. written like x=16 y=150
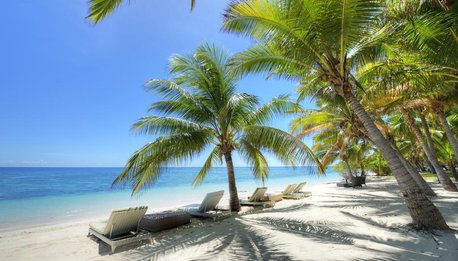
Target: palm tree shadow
x=248 y=237
x=228 y=239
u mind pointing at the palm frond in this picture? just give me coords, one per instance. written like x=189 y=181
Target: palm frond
x=277 y=106
x=153 y=125
x=214 y=157
x=146 y=164
x=287 y=148
x=99 y=9
x=254 y=158
x=261 y=58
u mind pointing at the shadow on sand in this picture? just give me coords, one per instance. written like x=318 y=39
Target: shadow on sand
x=246 y=236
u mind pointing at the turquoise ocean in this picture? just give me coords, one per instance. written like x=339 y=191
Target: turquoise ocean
x=31 y=197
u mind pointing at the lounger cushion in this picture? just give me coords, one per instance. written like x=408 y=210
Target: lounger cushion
x=98 y=226
x=273 y=197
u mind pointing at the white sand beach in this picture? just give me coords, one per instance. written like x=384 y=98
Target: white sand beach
x=333 y=224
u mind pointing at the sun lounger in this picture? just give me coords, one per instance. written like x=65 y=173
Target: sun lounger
x=257 y=199
x=289 y=189
x=298 y=190
x=289 y=192
x=278 y=196
x=208 y=207
x=121 y=228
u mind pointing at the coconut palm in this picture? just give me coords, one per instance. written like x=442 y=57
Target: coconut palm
x=99 y=9
x=201 y=111
x=411 y=86
x=428 y=148
x=445 y=153
x=328 y=39
x=336 y=128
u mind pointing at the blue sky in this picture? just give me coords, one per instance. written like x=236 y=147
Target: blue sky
x=70 y=90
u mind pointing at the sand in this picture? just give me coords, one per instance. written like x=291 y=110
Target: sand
x=333 y=224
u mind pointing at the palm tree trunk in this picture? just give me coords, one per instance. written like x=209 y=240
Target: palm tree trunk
x=350 y=173
x=421 y=182
x=448 y=132
x=424 y=186
x=423 y=212
x=361 y=165
x=453 y=170
x=444 y=179
x=430 y=166
x=360 y=161
x=429 y=154
x=234 y=197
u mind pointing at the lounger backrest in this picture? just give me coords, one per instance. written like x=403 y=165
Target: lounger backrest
x=258 y=194
x=299 y=187
x=289 y=189
x=124 y=221
x=210 y=201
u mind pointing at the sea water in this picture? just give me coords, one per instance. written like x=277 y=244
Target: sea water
x=32 y=197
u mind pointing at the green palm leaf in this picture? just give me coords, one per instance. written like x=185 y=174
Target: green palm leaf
x=99 y=9
x=287 y=148
x=146 y=164
x=215 y=157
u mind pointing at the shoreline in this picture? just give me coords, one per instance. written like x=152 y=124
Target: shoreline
x=59 y=209
x=333 y=224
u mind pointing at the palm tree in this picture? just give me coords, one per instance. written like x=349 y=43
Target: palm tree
x=337 y=127
x=203 y=111
x=99 y=9
x=428 y=148
x=328 y=39
x=445 y=153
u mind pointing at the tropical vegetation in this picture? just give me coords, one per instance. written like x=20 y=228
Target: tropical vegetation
x=383 y=75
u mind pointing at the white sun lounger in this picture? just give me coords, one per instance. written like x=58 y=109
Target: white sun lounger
x=289 y=189
x=293 y=192
x=257 y=199
x=121 y=228
x=208 y=207
x=298 y=190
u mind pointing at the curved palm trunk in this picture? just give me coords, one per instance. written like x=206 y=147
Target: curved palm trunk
x=429 y=154
x=424 y=186
x=421 y=182
x=423 y=212
x=430 y=166
x=234 y=197
x=448 y=132
x=444 y=179
x=350 y=172
x=361 y=164
x=453 y=170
